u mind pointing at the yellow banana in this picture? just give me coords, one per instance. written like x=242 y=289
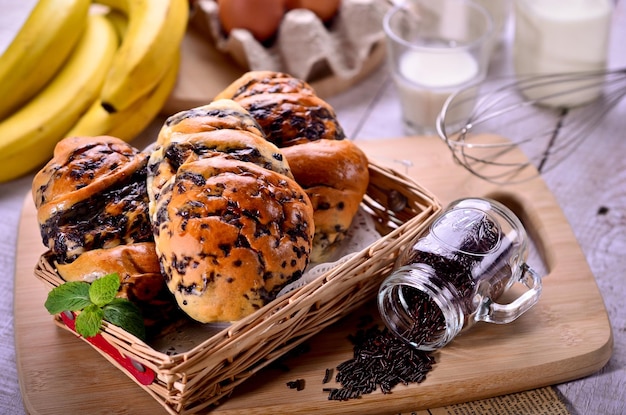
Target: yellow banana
x=39 y=49
x=119 y=20
x=153 y=37
x=139 y=119
x=129 y=123
x=28 y=137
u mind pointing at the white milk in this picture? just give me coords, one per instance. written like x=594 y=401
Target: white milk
x=556 y=36
x=426 y=79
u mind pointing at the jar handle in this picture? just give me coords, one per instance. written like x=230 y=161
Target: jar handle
x=493 y=312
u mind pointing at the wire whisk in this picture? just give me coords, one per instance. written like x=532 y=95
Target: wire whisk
x=515 y=129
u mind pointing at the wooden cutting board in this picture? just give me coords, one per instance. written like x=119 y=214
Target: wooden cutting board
x=565 y=336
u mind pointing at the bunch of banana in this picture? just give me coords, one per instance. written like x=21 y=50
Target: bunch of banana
x=77 y=68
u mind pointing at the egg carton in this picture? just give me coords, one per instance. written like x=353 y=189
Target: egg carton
x=305 y=47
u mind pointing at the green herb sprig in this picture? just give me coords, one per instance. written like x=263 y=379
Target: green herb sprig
x=96 y=302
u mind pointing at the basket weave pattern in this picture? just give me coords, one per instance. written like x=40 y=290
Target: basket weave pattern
x=196 y=380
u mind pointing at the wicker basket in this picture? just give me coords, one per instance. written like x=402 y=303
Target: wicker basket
x=195 y=380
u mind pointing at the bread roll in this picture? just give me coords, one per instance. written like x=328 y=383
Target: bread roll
x=335 y=176
x=92 y=194
x=219 y=115
x=287 y=109
x=140 y=276
x=92 y=208
x=265 y=82
x=220 y=128
x=333 y=171
x=231 y=225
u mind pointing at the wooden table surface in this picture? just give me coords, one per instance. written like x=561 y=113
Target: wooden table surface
x=590 y=187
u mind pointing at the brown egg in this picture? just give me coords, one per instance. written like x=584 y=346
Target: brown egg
x=324 y=9
x=261 y=17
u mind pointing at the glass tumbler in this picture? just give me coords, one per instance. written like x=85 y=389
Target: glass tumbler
x=434 y=49
x=453 y=273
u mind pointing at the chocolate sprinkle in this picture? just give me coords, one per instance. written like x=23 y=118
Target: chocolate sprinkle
x=328 y=376
x=381 y=360
x=297 y=384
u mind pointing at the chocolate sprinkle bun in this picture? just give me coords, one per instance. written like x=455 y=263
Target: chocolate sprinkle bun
x=231 y=225
x=220 y=128
x=224 y=115
x=287 y=109
x=92 y=194
x=266 y=82
x=336 y=190
x=333 y=171
x=92 y=209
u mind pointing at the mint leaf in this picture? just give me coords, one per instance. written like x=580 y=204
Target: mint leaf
x=126 y=315
x=88 y=322
x=96 y=301
x=103 y=290
x=71 y=296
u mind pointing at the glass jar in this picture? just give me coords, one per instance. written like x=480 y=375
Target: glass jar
x=454 y=272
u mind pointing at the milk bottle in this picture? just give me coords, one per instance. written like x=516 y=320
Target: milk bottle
x=560 y=36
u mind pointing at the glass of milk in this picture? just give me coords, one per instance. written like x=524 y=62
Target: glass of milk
x=435 y=47
x=562 y=36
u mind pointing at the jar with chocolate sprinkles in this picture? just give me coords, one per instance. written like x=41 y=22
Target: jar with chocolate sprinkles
x=451 y=276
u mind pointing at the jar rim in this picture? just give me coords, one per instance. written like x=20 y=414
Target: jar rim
x=418 y=277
